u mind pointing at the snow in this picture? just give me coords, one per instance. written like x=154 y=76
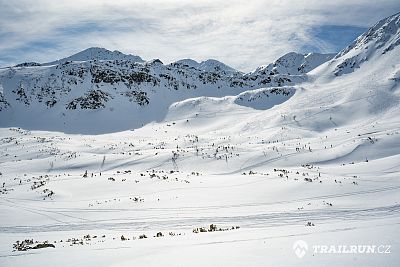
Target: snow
x=313 y=159
x=295 y=63
x=377 y=41
x=264 y=98
x=96 y=53
x=77 y=96
x=209 y=65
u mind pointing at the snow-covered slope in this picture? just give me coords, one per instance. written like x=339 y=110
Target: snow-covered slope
x=76 y=96
x=96 y=53
x=210 y=65
x=377 y=42
x=294 y=63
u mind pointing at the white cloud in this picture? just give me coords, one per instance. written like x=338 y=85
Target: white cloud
x=243 y=34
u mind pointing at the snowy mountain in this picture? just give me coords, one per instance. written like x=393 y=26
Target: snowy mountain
x=61 y=94
x=210 y=65
x=76 y=93
x=378 y=41
x=96 y=53
x=123 y=163
x=294 y=63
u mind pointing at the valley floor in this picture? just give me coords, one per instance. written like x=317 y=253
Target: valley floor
x=155 y=196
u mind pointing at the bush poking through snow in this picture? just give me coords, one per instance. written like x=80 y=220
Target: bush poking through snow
x=28 y=244
x=142 y=236
x=213 y=228
x=159 y=234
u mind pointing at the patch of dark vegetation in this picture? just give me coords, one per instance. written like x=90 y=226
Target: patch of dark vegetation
x=94 y=99
x=28 y=64
x=213 y=228
x=139 y=97
x=21 y=94
x=3 y=102
x=28 y=244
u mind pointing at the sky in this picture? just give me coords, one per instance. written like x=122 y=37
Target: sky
x=242 y=34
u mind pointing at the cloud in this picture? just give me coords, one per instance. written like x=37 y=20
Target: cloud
x=243 y=34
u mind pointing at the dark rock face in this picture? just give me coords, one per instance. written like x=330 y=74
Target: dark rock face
x=94 y=99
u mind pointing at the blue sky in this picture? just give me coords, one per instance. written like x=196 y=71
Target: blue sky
x=243 y=34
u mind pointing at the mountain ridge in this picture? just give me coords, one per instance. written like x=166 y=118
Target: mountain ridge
x=96 y=53
x=69 y=94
